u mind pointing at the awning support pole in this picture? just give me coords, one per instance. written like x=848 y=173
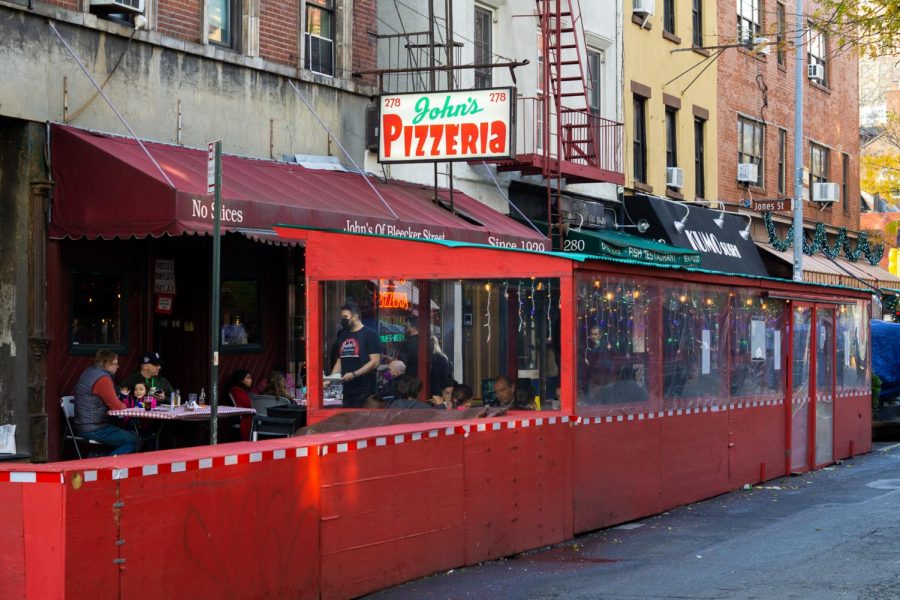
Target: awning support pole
x=216 y=288
x=347 y=154
x=112 y=106
x=510 y=202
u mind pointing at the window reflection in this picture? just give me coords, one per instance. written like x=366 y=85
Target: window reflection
x=757 y=345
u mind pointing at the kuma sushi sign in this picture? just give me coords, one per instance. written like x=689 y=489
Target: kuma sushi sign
x=446 y=126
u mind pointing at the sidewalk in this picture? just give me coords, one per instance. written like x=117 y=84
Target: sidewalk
x=830 y=534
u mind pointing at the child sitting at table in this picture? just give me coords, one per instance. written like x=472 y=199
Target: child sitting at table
x=138 y=396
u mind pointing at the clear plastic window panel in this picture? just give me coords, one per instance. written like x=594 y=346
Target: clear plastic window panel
x=852 y=339
x=693 y=345
x=614 y=342
x=757 y=347
x=448 y=334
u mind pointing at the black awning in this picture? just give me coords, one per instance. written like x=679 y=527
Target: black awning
x=721 y=248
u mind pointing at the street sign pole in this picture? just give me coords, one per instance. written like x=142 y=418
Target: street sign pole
x=798 y=143
x=215 y=158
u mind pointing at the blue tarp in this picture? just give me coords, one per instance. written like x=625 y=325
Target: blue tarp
x=886 y=356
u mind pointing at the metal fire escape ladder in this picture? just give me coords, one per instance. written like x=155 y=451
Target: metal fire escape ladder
x=566 y=109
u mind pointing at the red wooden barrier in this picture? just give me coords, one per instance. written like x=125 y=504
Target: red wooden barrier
x=343 y=514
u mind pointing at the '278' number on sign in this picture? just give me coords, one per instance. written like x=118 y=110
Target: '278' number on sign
x=391 y=102
x=498 y=96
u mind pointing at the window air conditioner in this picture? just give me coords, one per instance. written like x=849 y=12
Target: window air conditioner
x=674 y=177
x=747 y=173
x=826 y=192
x=117 y=6
x=816 y=72
x=761 y=45
x=643 y=7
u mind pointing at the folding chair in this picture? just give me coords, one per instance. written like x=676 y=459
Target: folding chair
x=67 y=406
x=263 y=424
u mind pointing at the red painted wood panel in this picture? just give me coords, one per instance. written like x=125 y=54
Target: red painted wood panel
x=757 y=435
x=43 y=509
x=91 y=526
x=242 y=531
x=853 y=423
x=390 y=514
x=518 y=490
x=617 y=473
x=12 y=533
x=693 y=457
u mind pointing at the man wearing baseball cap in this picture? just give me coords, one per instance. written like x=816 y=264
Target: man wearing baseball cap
x=148 y=374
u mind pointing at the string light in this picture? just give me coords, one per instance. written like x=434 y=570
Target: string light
x=487 y=313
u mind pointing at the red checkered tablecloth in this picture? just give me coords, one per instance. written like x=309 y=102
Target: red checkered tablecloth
x=179 y=413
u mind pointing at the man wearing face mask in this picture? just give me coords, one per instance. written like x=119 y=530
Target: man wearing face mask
x=394 y=370
x=359 y=353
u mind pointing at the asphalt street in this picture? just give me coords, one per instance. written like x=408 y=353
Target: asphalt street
x=830 y=534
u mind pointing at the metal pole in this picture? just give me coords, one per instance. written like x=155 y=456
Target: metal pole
x=214 y=322
x=798 y=144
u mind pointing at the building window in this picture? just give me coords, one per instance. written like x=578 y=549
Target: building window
x=483 y=47
x=750 y=145
x=671 y=137
x=780 y=28
x=669 y=16
x=594 y=64
x=699 y=163
x=319 y=37
x=697 y=16
x=223 y=18
x=816 y=44
x=240 y=313
x=818 y=166
x=98 y=311
x=845 y=187
x=640 y=139
x=748 y=20
x=782 y=161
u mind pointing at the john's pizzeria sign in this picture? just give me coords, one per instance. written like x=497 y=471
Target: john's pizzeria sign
x=445 y=126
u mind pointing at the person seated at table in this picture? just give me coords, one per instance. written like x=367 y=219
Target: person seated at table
x=464 y=397
x=446 y=397
x=137 y=397
x=504 y=392
x=237 y=391
x=524 y=398
x=277 y=386
x=148 y=373
x=408 y=389
x=95 y=395
x=388 y=390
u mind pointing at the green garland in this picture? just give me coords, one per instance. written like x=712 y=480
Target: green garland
x=889 y=304
x=873 y=253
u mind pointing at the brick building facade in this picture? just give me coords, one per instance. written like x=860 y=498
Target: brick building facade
x=756 y=95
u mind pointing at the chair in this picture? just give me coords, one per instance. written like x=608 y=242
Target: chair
x=67 y=406
x=263 y=424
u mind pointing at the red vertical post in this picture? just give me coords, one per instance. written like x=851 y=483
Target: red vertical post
x=567 y=343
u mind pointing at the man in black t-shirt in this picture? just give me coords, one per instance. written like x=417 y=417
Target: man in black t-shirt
x=359 y=353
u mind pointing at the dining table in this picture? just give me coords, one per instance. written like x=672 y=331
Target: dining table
x=166 y=413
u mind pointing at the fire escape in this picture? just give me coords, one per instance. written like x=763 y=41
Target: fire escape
x=560 y=138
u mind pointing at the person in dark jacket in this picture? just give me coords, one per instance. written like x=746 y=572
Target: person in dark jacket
x=95 y=395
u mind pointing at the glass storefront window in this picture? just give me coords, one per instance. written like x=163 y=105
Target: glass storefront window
x=614 y=341
x=693 y=347
x=757 y=346
x=239 y=319
x=98 y=312
x=467 y=332
x=853 y=364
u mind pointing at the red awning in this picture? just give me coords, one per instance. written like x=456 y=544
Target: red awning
x=107 y=186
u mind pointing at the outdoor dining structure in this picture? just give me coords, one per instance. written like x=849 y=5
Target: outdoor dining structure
x=658 y=382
